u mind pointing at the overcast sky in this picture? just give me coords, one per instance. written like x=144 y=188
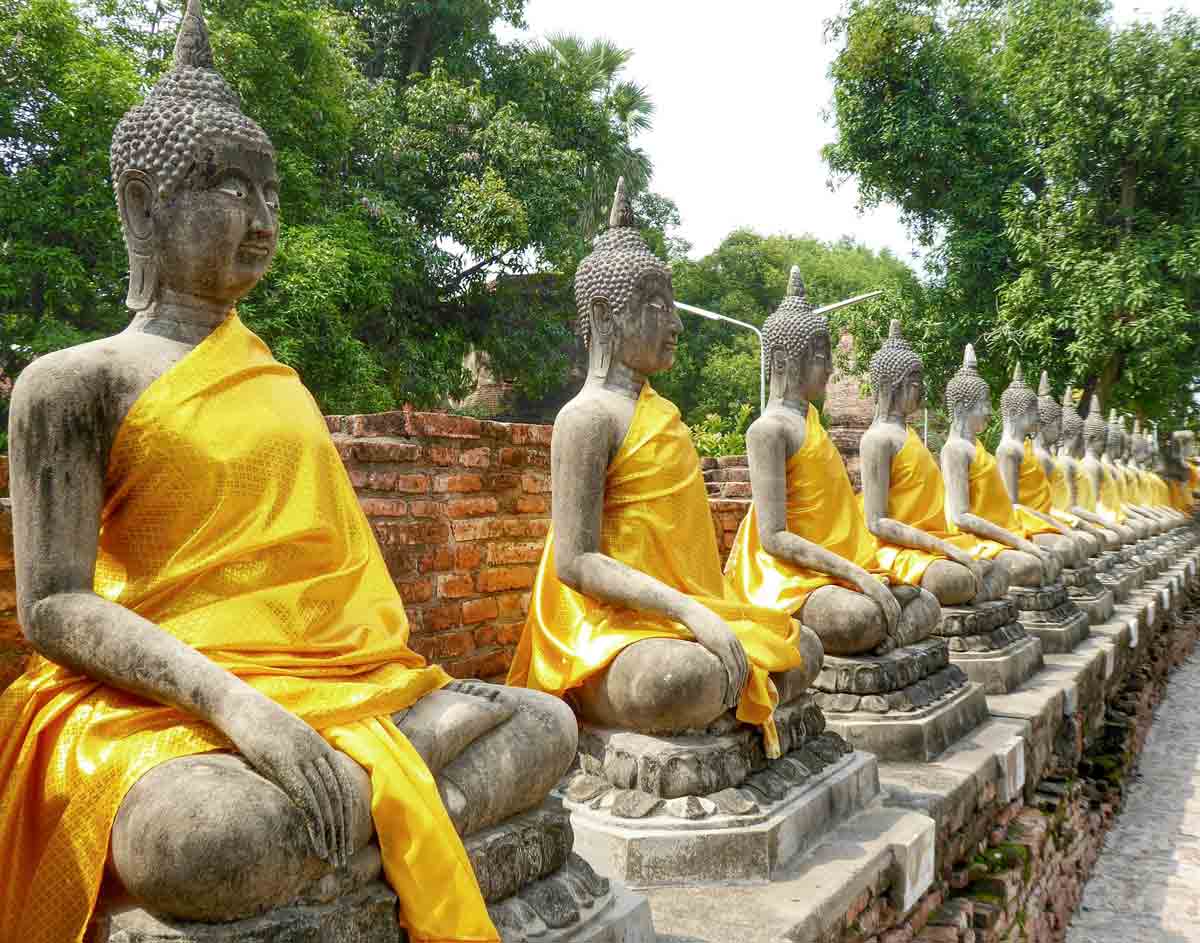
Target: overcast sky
x=740 y=90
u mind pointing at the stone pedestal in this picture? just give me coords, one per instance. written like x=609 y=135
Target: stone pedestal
x=1088 y=593
x=711 y=806
x=1115 y=576
x=535 y=888
x=1048 y=613
x=909 y=704
x=988 y=643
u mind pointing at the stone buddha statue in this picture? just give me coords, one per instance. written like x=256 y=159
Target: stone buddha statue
x=630 y=617
x=804 y=547
x=1046 y=437
x=1078 y=494
x=1108 y=502
x=1139 y=520
x=1025 y=478
x=225 y=714
x=976 y=500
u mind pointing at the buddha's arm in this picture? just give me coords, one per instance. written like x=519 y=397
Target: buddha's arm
x=1058 y=525
x=1008 y=459
x=876 y=463
x=580 y=451
x=767 y=446
x=61 y=429
x=956 y=470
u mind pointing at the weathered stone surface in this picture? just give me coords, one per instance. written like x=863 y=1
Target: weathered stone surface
x=879 y=674
x=635 y=804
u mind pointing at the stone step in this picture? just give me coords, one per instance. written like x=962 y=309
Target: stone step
x=879 y=851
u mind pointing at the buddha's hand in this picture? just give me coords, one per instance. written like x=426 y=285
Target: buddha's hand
x=1050 y=565
x=879 y=594
x=712 y=632
x=292 y=755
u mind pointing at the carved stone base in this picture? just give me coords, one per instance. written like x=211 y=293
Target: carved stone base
x=1114 y=576
x=699 y=764
x=920 y=733
x=1048 y=613
x=1003 y=670
x=845 y=681
x=741 y=835
x=535 y=887
x=1088 y=593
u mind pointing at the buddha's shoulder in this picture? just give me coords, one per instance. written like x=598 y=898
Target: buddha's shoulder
x=884 y=437
x=591 y=413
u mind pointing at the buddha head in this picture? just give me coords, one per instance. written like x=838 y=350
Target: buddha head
x=1139 y=446
x=195 y=184
x=1019 y=406
x=1072 y=426
x=1050 y=414
x=797 y=345
x=624 y=298
x=1115 y=443
x=897 y=376
x=968 y=396
x=1095 y=429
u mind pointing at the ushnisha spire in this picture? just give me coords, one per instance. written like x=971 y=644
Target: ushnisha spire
x=619 y=258
x=192 y=48
x=792 y=327
x=1095 y=429
x=1049 y=411
x=1044 y=385
x=970 y=362
x=1018 y=374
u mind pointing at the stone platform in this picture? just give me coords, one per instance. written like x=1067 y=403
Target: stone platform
x=535 y=888
x=1048 y=613
x=988 y=643
x=1088 y=593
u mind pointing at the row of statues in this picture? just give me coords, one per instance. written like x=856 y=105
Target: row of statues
x=225 y=711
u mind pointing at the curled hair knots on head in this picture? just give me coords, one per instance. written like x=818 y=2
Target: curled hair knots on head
x=189 y=107
x=967 y=389
x=1018 y=396
x=792 y=327
x=1095 y=429
x=1049 y=411
x=619 y=258
x=1072 y=422
x=893 y=361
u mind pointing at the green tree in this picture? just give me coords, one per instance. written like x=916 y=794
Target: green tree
x=1051 y=161
x=717 y=365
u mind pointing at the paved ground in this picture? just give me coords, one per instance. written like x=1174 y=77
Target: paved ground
x=1146 y=886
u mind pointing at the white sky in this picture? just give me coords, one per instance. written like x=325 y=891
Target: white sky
x=740 y=90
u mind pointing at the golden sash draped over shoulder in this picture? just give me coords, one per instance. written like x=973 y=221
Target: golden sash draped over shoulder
x=229 y=521
x=1033 y=491
x=1108 y=501
x=917 y=497
x=821 y=507
x=1060 y=494
x=656 y=520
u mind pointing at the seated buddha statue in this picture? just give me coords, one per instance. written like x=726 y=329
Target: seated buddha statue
x=976 y=500
x=1108 y=500
x=804 y=547
x=1157 y=495
x=1025 y=479
x=224 y=710
x=903 y=494
x=630 y=617
x=1057 y=498
x=1078 y=496
x=1140 y=519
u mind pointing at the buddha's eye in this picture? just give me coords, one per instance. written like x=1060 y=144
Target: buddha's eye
x=234 y=187
x=271 y=197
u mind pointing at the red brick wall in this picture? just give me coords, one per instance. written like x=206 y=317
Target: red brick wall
x=460 y=507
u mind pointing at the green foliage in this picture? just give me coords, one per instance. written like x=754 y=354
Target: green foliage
x=424 y=163
x=717 y=365
x=1052 y=162
x=717 y=435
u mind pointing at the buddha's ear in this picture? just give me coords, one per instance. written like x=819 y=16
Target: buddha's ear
x=136 y=198
x=603 y=322
x=779 y=360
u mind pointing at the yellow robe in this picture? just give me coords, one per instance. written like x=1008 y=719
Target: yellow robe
x=1060 y=495
x=656 y=519
x=990 y=499
x=1108 y=502
x=917 y=497
x=229 y=521
x=821 y=508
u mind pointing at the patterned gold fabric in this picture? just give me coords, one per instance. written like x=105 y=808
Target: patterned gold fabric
x=230 y=522
x=656 y=520
x=917 y=497
x=821 y=507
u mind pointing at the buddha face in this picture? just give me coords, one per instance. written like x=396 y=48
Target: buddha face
x=909 y=394
x=649 y=328
x=978 y=416
x=216 y=235
x=1051 y=429
x=816 y=367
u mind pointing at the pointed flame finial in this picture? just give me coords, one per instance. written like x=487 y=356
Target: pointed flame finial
x=192 y=48
x=1094 y=407
x=622 y=209
x=894 y=329
x=1044 y=386
x=795 y=288
x=1068 y=399
x=1018 y=374
x=969 y=360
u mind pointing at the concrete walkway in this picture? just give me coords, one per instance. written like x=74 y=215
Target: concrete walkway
x=1146 y=886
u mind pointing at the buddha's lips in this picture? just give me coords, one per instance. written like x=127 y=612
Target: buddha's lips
x=255 y=248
